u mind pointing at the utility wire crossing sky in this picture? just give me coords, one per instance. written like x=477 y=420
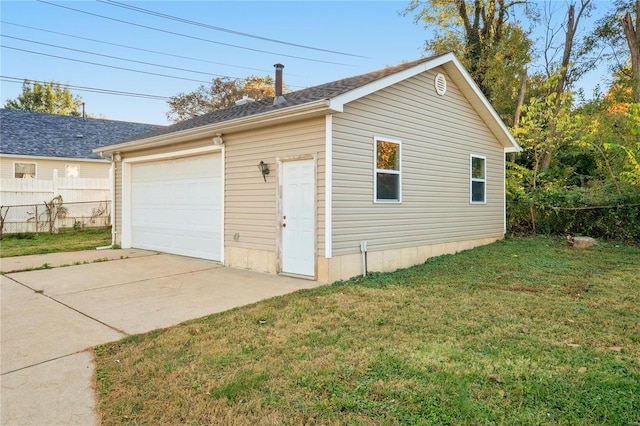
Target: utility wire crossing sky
x=127 y=59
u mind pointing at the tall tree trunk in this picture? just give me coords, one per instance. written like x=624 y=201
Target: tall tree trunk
x=633 y=40
x=516 y=116
x=572 y=27
x=521 y=95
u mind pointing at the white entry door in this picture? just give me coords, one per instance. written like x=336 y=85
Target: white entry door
x=298 y=217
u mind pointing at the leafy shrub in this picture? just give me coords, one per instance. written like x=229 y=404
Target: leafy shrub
x=597 y=212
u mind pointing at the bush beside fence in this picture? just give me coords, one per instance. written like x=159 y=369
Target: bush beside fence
x=614 y=217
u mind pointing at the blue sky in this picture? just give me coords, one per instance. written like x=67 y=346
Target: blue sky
x=364 y=35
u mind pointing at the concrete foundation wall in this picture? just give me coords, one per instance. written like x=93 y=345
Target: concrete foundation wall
x=350 y=265
x=251 y=259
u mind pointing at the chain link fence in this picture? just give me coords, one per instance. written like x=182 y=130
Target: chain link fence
x=54 y=216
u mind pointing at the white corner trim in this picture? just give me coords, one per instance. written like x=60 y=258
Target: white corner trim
x=112 y=196
x=504 y=194
x=223 y=153
x=328 y=188
x=125 y=206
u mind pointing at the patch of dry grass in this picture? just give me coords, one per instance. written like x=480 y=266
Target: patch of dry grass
x=519 y=332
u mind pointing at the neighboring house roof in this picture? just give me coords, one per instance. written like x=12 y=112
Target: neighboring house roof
x=322 y=99
x=64 y=136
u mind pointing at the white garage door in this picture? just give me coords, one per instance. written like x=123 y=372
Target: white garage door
x=176 y=206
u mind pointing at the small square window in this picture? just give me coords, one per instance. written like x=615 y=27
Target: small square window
x=478 y=180
x=25 y=170
x=71 y=170
x=388 y=182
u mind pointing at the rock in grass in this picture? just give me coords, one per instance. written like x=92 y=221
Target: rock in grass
x=581 y=242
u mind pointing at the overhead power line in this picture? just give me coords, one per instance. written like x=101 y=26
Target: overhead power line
x=119 y=58
x=226 y=30
x=191 y=37
x=89 y=89
x=136 y=48
x=104 y=65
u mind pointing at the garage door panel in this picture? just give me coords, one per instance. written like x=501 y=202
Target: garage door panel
x=183 y=242
x=177 y=206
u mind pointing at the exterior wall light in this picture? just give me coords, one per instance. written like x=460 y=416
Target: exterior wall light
x=264 y=169
x=217 y=140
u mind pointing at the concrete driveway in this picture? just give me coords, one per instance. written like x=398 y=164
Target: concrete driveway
x=50 y=318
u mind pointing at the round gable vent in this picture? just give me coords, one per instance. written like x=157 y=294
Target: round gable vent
x=441 y=84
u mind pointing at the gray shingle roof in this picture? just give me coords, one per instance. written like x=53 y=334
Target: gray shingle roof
x=310 y=94
x=51 y=135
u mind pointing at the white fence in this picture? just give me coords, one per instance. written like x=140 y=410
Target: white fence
x=87 y=202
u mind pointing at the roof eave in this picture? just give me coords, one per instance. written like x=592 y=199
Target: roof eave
x=52 y=158
x=279 y=116
x=484 y=108
x=453 y=66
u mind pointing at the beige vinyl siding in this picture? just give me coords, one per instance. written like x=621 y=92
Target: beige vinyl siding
x=45 y=167
x=438 y=135
x=251 y=205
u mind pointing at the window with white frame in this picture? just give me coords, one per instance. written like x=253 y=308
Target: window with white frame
x=71 y=170
x=478 y=179
x=388 y=173
x=24 y=170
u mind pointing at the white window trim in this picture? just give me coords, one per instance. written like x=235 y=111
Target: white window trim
x=472 y=179
x=392 y=172
x=25 y=162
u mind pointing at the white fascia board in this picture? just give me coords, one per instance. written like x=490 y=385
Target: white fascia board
x=511 y=145
x=453 y=66
x=338 y=102
x=68 y=159
x=244 y=123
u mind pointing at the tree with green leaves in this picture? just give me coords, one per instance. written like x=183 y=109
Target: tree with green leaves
x=49 y=97
x=567 y=70
x=545 y=121
x=619 y=30
x=221 y=94
x=632 y=35
x=494 y=48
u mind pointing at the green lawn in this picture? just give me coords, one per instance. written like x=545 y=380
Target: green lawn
x=25 y=244
x=521 y=332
